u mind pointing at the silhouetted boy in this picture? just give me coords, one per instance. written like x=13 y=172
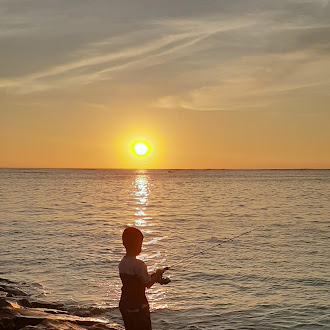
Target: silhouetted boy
x=133 y=272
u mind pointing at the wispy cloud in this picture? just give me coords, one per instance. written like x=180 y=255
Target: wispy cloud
x=226 y=59
x=173 y=38
x=256 y=82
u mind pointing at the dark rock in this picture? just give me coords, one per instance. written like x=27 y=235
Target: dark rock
x=4 y=303
x=24 y=302
x=5 y=280
x=22 y=321
x=18 y=312
x=13 y=291
x=36 y=304
x=7 y=323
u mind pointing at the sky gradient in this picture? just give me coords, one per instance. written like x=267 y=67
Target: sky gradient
x=208 y=84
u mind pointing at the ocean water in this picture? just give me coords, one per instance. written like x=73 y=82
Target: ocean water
x=60 y=241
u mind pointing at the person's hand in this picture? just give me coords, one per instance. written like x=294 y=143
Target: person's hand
x=161 y=279
x=159 y=273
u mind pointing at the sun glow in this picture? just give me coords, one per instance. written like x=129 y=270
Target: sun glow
x=140 y=148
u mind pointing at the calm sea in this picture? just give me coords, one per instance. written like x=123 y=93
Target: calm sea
x=60 y=240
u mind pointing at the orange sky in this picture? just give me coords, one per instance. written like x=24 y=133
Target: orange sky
x=221 y=85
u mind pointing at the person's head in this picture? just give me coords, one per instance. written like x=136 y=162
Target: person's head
x=132 y=240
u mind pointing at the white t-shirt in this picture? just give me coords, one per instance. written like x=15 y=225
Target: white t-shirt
x=135 y=267
x=134 y=275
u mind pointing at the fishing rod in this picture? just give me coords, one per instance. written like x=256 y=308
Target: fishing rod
x=166 y=280
x=209 y=248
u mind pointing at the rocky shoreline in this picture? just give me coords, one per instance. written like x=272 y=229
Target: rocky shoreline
x=19 y=311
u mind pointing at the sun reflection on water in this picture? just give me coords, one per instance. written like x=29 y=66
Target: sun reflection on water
x=142 y=188
x=141 y=195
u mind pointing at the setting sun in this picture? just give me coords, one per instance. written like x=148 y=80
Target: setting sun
x=140 y=148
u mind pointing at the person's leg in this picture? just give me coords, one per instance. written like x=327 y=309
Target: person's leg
x=128 y=319
x=136 y=319
x=145 y=319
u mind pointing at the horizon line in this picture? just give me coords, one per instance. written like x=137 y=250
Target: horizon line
x=165 y=169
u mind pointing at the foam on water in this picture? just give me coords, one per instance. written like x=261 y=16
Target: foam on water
x=61 y=236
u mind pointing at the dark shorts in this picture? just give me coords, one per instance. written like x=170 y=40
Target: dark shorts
x=136 y=319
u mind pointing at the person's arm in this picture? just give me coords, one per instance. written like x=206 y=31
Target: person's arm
x=155 y=278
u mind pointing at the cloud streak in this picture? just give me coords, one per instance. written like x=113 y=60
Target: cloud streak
x=255 y=83
x=160 y=49
x=225 y=60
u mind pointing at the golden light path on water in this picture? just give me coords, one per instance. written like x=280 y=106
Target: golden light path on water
x=152 y=257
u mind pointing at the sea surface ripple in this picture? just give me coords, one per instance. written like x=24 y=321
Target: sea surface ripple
x=60 y=240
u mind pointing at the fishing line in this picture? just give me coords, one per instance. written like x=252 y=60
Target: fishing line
x=184 y=260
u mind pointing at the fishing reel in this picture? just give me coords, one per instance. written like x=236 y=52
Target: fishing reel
x=164 y=280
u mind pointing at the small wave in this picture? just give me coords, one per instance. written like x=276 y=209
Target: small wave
x=92 y=311
x=31 y=172
x=214 y=240
x=155 y=240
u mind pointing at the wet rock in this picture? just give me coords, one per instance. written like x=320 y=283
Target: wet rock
x=36 y=304
x=12 y=291
x=18 y=312
x=23 y=321
x=92 y=311
x=24 y=302
x=4 y=303
x=6 y=323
